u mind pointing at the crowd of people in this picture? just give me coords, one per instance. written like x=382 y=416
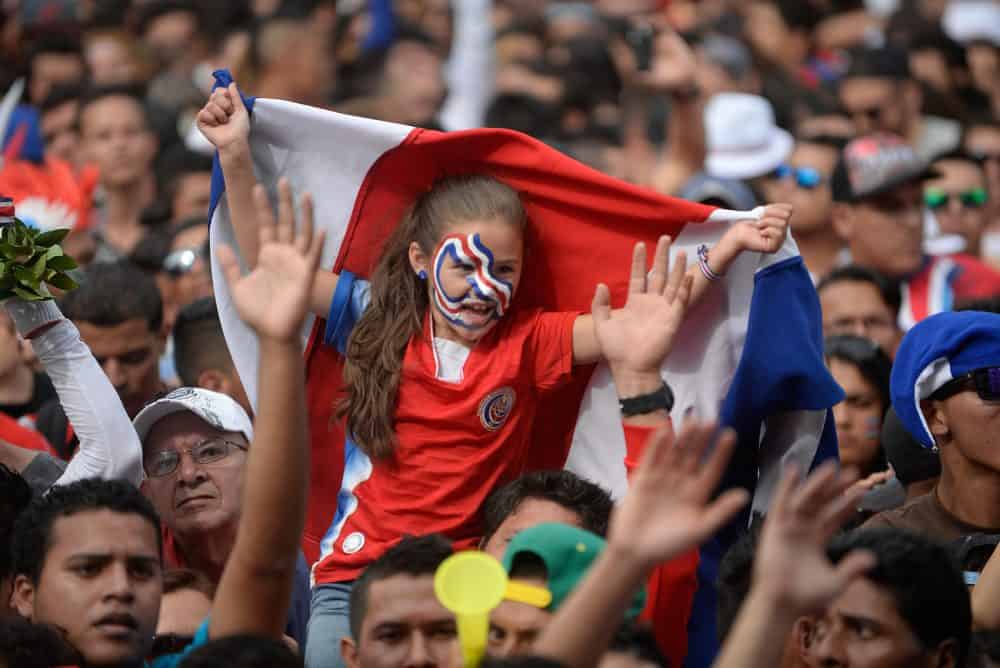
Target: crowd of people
x=231 y=446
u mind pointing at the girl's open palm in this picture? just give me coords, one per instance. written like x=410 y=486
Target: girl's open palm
x=639 y=336
x=273 y=299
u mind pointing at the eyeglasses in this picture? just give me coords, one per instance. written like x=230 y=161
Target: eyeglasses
x=935 y=198
x=182 y=261
x=985 y=382
x=805 y=177
x=165 y=462
x=169 y=643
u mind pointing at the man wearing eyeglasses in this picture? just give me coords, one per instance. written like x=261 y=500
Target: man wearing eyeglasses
x=879 y=215
x=958 y=199
x=945 y=389
x=194 y=444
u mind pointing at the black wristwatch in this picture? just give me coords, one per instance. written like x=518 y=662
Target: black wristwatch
x=662 y=398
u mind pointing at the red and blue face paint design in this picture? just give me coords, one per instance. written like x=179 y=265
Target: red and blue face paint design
x=486 y=289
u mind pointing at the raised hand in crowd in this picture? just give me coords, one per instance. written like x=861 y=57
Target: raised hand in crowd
x=225 y=121
x=256 y=585
x=792 y=574
x=637 y=338
x=668 y=510
x=273 y=298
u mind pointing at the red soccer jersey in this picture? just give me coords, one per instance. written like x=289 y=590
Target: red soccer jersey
x=456 y=442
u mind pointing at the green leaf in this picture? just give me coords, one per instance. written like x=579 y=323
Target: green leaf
x=25 y=277
x=8 y=251
x=27 y=295
x=54 y=251
x=38 y=267
x=62 y=263
x=63 y=282
x=51 y=237
x=7 y=282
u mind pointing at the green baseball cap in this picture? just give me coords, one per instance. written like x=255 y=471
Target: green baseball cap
x=567 y=553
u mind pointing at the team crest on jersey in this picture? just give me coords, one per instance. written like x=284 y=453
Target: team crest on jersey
x=496 y=407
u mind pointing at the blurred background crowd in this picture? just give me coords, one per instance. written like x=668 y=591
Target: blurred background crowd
x=879 y=120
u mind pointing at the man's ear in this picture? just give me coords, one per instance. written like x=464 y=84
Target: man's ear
x=349 y=652
x=945 y=655
x=937 y=420
x=22 y=597
x=842 y=217
x=213 y=379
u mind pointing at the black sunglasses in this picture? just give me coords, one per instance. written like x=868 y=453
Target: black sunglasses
x=985 y=382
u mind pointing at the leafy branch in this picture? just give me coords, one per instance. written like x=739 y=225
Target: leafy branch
x=30 y=261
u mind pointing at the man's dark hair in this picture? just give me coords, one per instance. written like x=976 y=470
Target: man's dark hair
x=887 y=288
x=32 y=537
x=923 y=580
x=885 y=62
x=111 y=293
x=15 y=495
x=985 y=647
x=414 y=556
x=97 y=93
x=153 y=249
x=179 y=579
x=733 y=585
x=151 y=11
x=242 y=651
x=638 y=641
x=988 y=304
x=591 y=502
x=27 y=645
x=198 y=341
x=58 y=95
x=64 y=42
x=177 y=162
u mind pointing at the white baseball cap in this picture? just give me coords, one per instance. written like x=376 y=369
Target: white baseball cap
x=217 y=409
x=968 y=21
x=743 y=140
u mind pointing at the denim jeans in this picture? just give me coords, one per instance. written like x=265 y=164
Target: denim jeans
x=328 y=623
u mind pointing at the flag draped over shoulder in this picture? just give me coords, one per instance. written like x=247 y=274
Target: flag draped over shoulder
x=750 y=352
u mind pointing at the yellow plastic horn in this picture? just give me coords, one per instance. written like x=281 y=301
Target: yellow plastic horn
x=471 y=584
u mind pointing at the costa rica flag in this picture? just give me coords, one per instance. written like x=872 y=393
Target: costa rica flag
x=750 y=353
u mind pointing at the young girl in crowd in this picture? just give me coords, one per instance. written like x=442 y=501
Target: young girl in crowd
x=442 y=370
x=861 y=368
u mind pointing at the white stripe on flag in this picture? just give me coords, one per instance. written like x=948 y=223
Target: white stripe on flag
x=328 y=160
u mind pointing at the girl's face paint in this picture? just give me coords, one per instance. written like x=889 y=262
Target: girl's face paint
x=468 y=291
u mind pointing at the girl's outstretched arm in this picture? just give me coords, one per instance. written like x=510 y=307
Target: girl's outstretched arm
x=650 y=313
x=225 y=122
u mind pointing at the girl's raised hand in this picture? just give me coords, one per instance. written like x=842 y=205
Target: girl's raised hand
x=637 y=338
x=224 y=119
x=766 y=235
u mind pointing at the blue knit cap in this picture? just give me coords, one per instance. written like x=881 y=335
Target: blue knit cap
x=936 y=350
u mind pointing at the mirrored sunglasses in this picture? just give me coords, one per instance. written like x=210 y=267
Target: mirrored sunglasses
x=935 y=198
x=805 y=177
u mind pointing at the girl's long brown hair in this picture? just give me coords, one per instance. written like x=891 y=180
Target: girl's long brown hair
x=399 y=301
